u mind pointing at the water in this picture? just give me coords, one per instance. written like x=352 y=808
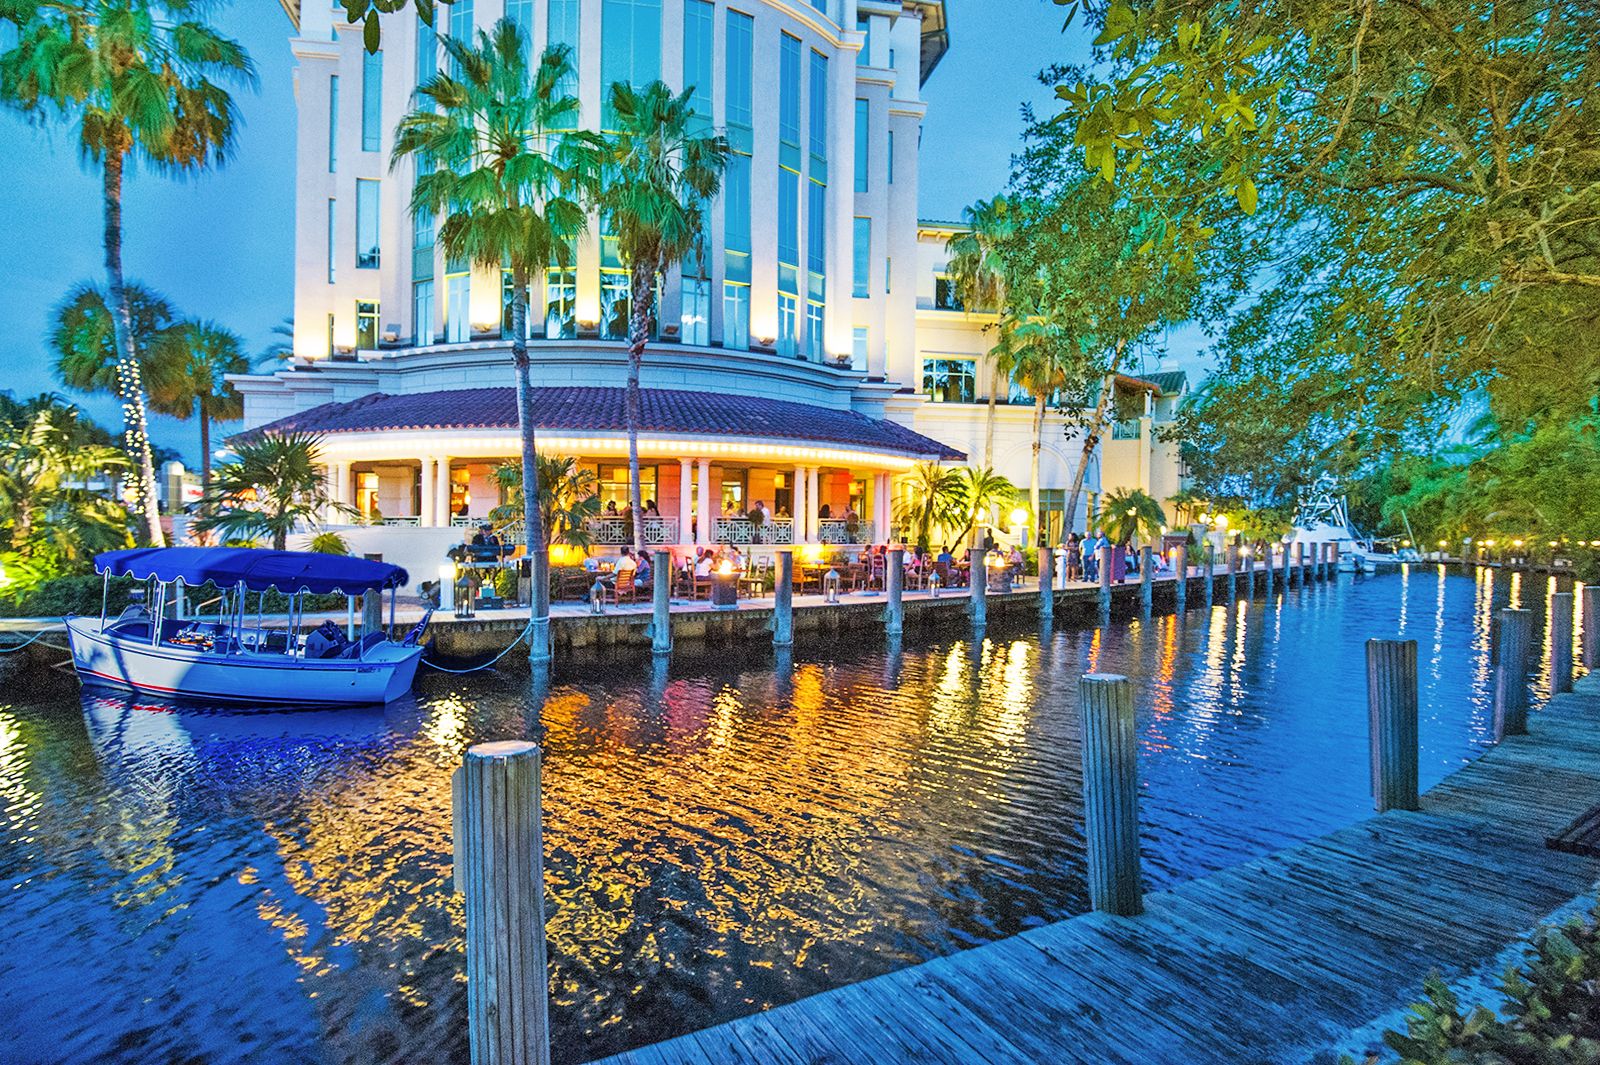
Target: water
x=205 y=886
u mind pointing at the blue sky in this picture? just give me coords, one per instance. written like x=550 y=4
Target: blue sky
x=220 y=245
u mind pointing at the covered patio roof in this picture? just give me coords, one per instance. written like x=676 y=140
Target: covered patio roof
x=664 y=411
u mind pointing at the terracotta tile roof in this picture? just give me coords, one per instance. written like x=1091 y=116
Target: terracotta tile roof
x=583 y=409
x=1167 y=382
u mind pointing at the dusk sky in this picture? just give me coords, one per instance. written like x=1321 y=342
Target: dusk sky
x=221 y=246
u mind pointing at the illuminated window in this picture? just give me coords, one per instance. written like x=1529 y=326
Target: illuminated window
x=695 y=319
x=788 y=325
x=699 y=22
x=333 y=123
x=560 y=304
x=366 y=224
x=457 y=306
x=950 y=380
x=366 y=325
x=332 y=243
x=630 y=47
x=736 y=315
x=861 y=262
x=862 y=128
x=422 y=312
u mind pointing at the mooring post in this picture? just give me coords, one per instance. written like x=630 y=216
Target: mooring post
x=1233 y=570
x=499 y=869
x=661 y=604
x=1047 y=582
x=783 y=600
x=1591 y=626
x=1288 y=571
x=1211 y=573
x=978 y=583
x=1266 y=566
x=1105 y=578
x=1299 y=573
x=371 y=611
x=1111 y=793
x=1146 y=578
x=1249 y=574
x=1392 y=723
x=894 y=579
x=1180 y=569
x=1511 y=673
x=1561 y=642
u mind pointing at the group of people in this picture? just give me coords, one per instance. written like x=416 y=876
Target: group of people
x=1079 y=558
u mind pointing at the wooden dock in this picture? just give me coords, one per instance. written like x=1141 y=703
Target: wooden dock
x=1276 y=960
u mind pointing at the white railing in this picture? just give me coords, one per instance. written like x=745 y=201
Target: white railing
x=463 y=521
x=614 y=531
x=412 y=522
x=837 y=531
x=745 y=531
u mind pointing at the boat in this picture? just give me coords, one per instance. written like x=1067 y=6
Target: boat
x=1324 y=518
x=230 y=657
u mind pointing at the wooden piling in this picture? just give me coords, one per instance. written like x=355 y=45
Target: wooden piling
x=1211 y=573
x=1233 y=570
x=1249 y=575
x=1288 y=572
x=1180 y=569
x=1297 y=575
x=783 y=600
x=1146 y=577
x=978 y=585
x=1105 y=578
x=894 y=579
x=1511 y=673
x=1047 y=582
x=1591 y=626
x=1561 y=642
x=1266 y=567
x=1392 y=723
x=661 y=604
x=1111 y=793
x=371 y=611
x=499 y=869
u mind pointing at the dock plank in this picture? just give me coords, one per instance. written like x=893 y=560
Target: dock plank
x=1272 y=960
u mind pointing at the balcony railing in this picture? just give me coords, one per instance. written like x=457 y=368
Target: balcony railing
x=412 y=522
x=745 y=531
x=1127 y=429
x=616 y=532
x=842 y=531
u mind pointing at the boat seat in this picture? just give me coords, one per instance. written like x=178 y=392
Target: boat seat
x=360 y=647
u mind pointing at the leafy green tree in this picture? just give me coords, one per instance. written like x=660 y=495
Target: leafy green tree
x=273 y=485
x=83 y=334
x=930 y=503
x=139 y=79
x=1040 y=362
x=567 y=498
x=660 y=173
x=1127 y=514
x=980 y=268
x=499 y=164
x=981 y=491
x=188 y=378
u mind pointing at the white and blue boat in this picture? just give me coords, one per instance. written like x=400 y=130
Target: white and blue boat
x=232 y=656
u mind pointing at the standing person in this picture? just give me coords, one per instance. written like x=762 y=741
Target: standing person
x=1091 y=557
x=1074 y=557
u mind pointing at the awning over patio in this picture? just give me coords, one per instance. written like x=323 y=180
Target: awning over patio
x=668 y=412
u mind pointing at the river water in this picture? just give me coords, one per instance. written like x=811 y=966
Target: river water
x=722 y=835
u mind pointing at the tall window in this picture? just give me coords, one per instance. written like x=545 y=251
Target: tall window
x=427 y=52
x=560 y=303
x=330 y=335
x=520 y=12
x=422 y=233
x=508 y=289
x=789 y=91
x=818 y=133
x=698 y=29
x=630 y=47
x=858 y=347
x=740 y=88
x=788 y=193
x=562 y=27
x=366 y=224
x=457 y=304
x=371 y=101
x=950 y=380
x=333 y=248
x=738 y=94
x=863 y=116
x=889 y=156
x=461 y=21
x=366 y=325
x=864 y=57
x=817 y=206
x=788 y=324
x=861 y=260
x=814 y=345
x=333 y=124
x=695 y=318
x=736 y=315
x=422 y=312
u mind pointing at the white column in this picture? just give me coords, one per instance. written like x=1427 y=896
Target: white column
x=685 y=501
x=706 y=517
x=813 y=503
x=429 y=496
x=798 y=504
x=880 y=508
x=441 y=488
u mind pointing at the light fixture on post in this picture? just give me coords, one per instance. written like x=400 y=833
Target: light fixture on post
x=597 y=597
x=830 y=586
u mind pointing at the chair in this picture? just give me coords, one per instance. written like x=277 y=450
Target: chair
x=624 y=586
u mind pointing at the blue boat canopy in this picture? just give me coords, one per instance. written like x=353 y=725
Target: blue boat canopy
x=256 y=569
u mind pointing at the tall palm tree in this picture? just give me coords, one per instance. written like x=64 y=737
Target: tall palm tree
x=1127 y=513
x=980 y=271
x=660 y=172
x=188 y=376
x=83 y=334
x=140 y=79
x=274 y=484
x=931 y=503
x=1037 y=365
x=567 y=498
x=506 y=175
x=981 y=490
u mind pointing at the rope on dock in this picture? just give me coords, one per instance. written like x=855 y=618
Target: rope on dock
x=514 y=643
x=41 y=634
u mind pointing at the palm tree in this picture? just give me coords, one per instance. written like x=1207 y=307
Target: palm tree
x=83 y=334
x=931 y=503
x=141 y=79
x=1037 y=365
x=981 y=490
x=328 y=542
x=274 y=484
x=506 y=175
x=188 y=375
x=979 y=270
x=1126 y=513
x=660 y=172
x=567 y=498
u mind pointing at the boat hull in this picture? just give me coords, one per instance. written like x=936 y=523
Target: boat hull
x=105 y=660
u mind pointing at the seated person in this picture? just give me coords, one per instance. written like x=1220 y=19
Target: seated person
x=702 y=568
x=591 y=564
x=627 y=561
x=641 y=572
x=325 y=641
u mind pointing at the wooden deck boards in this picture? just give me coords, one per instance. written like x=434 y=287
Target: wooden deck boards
x=1271 y=961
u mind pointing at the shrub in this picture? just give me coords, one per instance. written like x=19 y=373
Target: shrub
x=1551 y=1011
x=77 y=594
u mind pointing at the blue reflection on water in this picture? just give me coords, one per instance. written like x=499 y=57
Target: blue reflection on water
x=721 y=835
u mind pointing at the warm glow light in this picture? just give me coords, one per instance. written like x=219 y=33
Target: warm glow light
x=1444 y=543
x=1516 y=543
x=726 y=568
x=1488 y=543
x=447 y=572
x=1244 y=552
x=1019 y=516
x=567 y=555
x=1222 y=521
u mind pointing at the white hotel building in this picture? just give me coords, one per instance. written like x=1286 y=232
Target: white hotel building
x=817 y=358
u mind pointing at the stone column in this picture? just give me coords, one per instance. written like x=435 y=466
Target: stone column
x=441 y=482
x=703 y=494
x=813 y=502
x=880 y=508
x=428 y=497
x=685 y=501
x=798 y=503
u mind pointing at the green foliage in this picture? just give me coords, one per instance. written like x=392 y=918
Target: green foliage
x=1126 y=514
x=1550 y=1014
x=83 y=335
x=328 y=542
x=980 y=492
x=273 y=484
x=931 y=505
x=63 y=595
x=187 y=376
x=567 y=498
